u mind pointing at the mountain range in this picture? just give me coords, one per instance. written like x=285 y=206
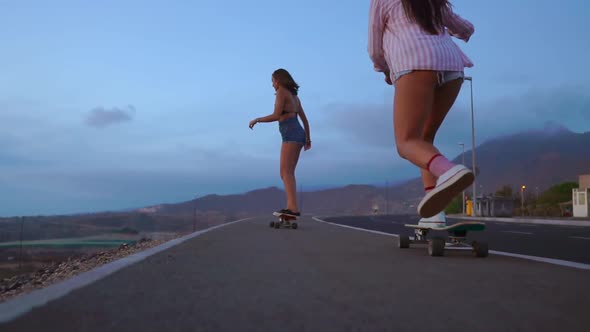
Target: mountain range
x=537 y=159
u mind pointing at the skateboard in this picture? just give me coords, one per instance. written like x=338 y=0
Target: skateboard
x=285 y=221
x=457 y=234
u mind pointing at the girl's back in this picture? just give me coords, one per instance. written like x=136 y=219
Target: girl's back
x=400 y=43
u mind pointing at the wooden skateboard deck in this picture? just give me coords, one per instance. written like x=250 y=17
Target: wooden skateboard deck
x=285 y=221
x=457 y=234
x=455 y=228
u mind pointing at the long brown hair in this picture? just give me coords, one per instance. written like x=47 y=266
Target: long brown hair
x=286 y=80
x=427 y=13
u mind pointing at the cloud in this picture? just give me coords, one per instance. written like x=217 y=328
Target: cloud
x=65 y=169
x=564 y=103
x=100 y=117
x=568 y=106
x=59 y=191
x=365 y=124
x=370 y=125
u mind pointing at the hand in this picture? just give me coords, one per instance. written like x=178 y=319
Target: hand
x=252 y=123
x=388 y=78
x=307 y=146
x=466 y=39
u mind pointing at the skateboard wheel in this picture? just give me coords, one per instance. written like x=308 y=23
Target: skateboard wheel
x=480 y=249
x=294 y=225
x=436 y=247
x=272 y=224
x=277 y=225
x=403 y=241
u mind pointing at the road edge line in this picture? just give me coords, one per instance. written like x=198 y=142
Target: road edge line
x=22 y=304
x=553 y=261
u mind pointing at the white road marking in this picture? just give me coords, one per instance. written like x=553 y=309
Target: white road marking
x=579 y=237
x=22 y=304
x=559 y=262
x=356 y=228
x=517 y=232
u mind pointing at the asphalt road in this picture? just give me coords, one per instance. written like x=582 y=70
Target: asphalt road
x=320 y=277
x=571 y=243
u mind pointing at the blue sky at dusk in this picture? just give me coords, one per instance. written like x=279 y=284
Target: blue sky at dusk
x=117 y=104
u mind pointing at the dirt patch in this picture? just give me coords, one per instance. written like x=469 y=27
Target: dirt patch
x=53 y=273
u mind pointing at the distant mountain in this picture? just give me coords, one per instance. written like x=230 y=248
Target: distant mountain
x=349 y=199
x=537 y=159
x=251 y=202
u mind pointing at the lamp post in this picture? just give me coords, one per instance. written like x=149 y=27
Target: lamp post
x=463 y=163
x=470 y=79
x=522 y=199
x=22 y=225
x=386 y=197
x=195 y=216
x=300 y=197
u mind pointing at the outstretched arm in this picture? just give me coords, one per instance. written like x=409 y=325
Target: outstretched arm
x=457 y=26
x=376 y=28
x=276 y=115
x=305 y=126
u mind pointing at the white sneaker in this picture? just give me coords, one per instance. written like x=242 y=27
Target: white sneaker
x=448 y=185
x=437 y=221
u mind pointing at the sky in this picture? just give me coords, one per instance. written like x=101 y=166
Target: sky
x=113 y=105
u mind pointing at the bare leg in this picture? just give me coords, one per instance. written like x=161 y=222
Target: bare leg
x=412 y=107
x=414 y=104
x=444 y=98
x=289 y=158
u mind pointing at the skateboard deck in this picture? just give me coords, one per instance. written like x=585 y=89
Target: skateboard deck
x=457 y=228
x=285 y=221
x=457 y=234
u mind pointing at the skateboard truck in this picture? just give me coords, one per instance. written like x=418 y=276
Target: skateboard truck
x=285 y=221
x=457 y=234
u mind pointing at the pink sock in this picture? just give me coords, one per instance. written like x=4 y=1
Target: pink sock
x=438 y=164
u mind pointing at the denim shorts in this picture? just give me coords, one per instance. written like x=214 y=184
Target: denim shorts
x=292 y=131
x=443 y=76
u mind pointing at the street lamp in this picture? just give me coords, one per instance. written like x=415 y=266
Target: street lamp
x=463 y=163
x=522 y=199
x=470 y=79
x=386 y=193
x=20 y=261
x=195 y=216
x=300 y=197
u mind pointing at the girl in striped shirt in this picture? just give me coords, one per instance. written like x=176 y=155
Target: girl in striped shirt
x=410 y=42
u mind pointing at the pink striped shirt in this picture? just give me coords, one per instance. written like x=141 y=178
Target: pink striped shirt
x=396 y=43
